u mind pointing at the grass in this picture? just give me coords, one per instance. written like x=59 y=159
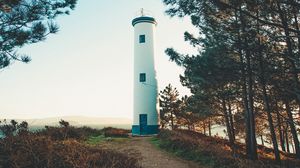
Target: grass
x=155 y=141
x=191 y=155
x=94 y=140
x=119 y=140
x=187 y=154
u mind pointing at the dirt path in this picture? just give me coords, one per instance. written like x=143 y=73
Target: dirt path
x=149 y=155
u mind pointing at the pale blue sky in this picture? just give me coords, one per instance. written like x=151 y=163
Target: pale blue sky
x=86 y=69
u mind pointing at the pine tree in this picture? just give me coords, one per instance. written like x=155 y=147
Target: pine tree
x=25 y=22
x=169 y=107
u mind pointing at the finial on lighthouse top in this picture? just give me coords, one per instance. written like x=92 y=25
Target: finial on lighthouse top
x=142 y=12
x=143 y=16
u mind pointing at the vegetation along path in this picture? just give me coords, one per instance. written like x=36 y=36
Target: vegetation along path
x=149 y=155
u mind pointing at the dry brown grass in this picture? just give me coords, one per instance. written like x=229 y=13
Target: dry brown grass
x=59 y=147
x=115 y=132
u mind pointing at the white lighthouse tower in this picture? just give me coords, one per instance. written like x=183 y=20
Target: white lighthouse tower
x=145 y=119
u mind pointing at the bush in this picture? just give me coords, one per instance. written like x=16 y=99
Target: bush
x=13 y=128
x=69 y=132
x=115 y=132
x=62 y=133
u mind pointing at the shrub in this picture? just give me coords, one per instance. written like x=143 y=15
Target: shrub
x=13 y=128
x=88 y=131
x=115 y=132
x=69 y=132
x=64 y=123
x=62 y=133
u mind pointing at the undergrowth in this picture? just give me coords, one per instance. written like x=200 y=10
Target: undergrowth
x=58 y=147
x=213 y=152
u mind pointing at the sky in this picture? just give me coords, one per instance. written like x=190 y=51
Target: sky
x=86 y=69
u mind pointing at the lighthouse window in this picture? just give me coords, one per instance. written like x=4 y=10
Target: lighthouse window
x=142 y=77
x=142 y=38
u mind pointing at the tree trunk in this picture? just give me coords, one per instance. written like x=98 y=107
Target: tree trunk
x=209 y=126
x=245 y=100
x=230 y=137
x=293 y=129
x=231 y=121
x=293 y=147
x=262 y=140
x=162 y=125
x=267 y=105
x=247 y=111
x=172 y=120
x=249 y=78
x=280 y=131
x=271 y=126
x=251 y=144
x=287 y=138
x=251 y=107
x=204 y=128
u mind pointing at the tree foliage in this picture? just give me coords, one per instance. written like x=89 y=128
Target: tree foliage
x=169 y=107
x=25 y=22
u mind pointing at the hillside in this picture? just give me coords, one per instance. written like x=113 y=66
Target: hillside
x=216 y=152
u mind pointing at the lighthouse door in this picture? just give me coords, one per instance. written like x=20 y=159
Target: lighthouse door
x=143 y=124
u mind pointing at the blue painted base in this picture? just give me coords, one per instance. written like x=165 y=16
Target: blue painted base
x=149 y=130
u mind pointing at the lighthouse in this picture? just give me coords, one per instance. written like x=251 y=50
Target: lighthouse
x=145 y=119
